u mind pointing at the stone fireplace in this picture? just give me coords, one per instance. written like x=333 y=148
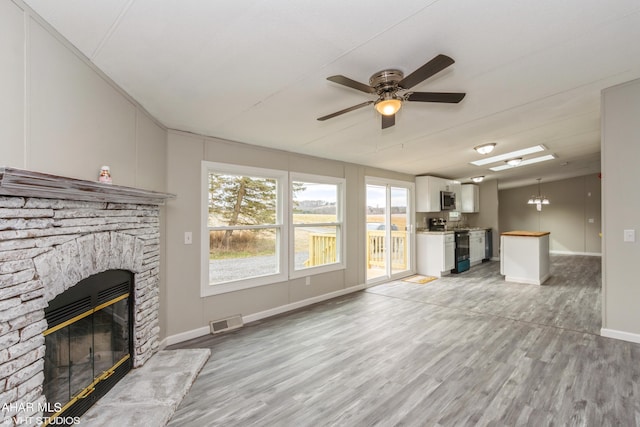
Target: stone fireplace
x=56 y=232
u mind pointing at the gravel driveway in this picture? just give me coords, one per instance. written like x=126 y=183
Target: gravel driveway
x=225 y=270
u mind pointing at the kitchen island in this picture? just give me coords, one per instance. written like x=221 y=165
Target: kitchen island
x=524 y=256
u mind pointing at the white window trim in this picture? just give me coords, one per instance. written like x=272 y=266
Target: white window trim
x=282 y=222
x=341 y=235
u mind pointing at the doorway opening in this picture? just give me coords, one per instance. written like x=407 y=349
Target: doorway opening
x=389 y=234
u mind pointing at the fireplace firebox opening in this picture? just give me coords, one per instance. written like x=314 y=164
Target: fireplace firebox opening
x=89 y=342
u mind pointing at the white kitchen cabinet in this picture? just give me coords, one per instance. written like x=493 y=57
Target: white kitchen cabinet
x=428 y=190
x=449 y=253
x=476 y=246
x=435 y=253
x=470 y=198
x=428 y=193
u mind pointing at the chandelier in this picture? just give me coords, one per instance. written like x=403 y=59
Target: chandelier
x=538 y=200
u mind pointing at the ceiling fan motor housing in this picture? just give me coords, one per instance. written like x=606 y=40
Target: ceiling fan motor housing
x=386 y=81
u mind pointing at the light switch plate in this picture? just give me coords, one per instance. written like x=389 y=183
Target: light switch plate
x=630 y=236
x=188 y=238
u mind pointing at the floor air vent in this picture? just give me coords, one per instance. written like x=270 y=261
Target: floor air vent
x=228 y=324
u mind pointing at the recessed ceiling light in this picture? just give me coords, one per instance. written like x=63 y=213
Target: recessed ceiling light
x=514 y=162
x=511 y=155
x=525 y=162
x=485 y=148
x=477 y=178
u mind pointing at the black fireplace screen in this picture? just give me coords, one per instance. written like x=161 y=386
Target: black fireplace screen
x=88 y=342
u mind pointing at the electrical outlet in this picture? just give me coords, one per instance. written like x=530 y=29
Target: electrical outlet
x=188 y=238
x=307 y=280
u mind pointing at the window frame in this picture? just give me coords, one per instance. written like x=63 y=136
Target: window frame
x=281 y=225
x=340 y=264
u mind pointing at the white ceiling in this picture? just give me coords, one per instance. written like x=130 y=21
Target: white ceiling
x=255 y=71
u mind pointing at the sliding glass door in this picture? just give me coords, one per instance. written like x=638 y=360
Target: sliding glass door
x=389 y=230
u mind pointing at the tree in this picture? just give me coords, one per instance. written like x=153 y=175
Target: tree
x=241 y=200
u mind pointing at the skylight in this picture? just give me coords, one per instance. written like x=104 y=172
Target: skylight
x=525 y=162
x=511 y=155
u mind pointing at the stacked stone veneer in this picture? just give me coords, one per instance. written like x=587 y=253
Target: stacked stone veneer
x=48 y=246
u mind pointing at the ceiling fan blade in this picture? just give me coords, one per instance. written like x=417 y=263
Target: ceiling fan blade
x=346 y=110
x=346 y=81
x=448 y=97
x=432 y=67
x=388 y=121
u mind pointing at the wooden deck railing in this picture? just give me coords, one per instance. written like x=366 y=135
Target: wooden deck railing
x=322 y=249
x=376 y=245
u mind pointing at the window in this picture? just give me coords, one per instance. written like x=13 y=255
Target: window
x=245 y=241
x=317 y=224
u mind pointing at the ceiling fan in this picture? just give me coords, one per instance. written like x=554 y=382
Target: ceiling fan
x=388 y=85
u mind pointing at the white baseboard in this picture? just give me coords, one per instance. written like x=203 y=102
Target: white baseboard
x=200 y=332
x=299 y=304
x=184 y=336
x=575 y=253
x=620 y=335
x=526 y=280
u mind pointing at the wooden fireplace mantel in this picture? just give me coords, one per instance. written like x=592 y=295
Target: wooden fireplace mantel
x=19 y=182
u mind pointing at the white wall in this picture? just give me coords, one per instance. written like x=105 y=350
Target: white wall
x=621 y=210
x=488 y=215
x=188 y=312
x=574 y=202
x=12 y=80
x=60 y=115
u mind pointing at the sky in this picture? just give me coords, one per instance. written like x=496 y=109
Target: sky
x=375 y=194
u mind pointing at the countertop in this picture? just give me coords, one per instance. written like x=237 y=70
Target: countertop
x=434 y=232
x=526 y=233
x=450 y=230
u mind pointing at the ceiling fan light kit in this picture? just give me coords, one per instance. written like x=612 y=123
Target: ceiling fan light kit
x=388 y=83
x=485 y=148
x=388 y=107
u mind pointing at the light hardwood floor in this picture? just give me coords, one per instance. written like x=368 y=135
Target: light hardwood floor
x=462 y=350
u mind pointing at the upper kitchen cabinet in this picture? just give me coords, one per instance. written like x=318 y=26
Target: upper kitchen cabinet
x=470 y=198
x=428 y=193
x=428 y=190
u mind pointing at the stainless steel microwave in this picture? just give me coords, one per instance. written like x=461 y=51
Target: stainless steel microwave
x=447 y=201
